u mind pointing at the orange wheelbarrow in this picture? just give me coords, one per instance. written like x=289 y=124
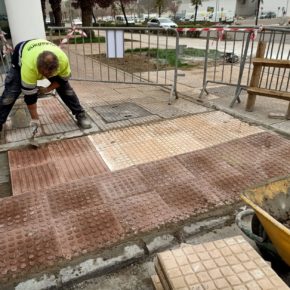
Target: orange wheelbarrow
x=270 y=224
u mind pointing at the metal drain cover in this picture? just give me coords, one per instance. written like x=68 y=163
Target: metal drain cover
x=120 y=112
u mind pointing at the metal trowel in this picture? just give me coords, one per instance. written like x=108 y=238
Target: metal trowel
x=32 y=140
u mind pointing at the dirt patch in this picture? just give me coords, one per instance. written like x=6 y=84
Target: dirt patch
x=132 y=63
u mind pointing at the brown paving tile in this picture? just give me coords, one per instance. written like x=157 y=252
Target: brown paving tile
x=185 y=197
x=24 y=158
x=122 y=184
x=22 y=211
x=165 y=171
x=74 y=197
x=54 y=119
x=26 y=250
x=71 y=147
x=56 y=163
x=143 y=212
x=78 y=167
x=35 y=178
x=87 y=231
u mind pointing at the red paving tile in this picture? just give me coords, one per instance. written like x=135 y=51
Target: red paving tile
x=54 y=119
x=56 y=163
x=143 y=212
x=23 y=211
x=165 y=171
x=88 y=231
x=82 y=216
x=28 y=249
x=74 y=196
x=35 y=178
x=122 y=184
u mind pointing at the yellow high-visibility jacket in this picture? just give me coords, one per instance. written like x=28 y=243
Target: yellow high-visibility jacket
x=28 y=64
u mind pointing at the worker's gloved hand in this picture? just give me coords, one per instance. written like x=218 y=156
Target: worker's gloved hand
x=42 y=90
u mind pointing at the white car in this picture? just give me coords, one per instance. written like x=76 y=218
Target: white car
x=161 y=22
x=77 y=22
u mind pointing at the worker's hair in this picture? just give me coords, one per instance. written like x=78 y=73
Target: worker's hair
x=47 y=61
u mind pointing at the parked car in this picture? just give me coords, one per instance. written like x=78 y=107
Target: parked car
x=77 y=22
x=268 y=15
x=161 y=22
x=120 y=19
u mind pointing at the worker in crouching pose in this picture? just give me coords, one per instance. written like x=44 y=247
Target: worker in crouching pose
x=35 y=60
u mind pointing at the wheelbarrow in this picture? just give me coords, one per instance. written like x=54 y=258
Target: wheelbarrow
x=270 y=223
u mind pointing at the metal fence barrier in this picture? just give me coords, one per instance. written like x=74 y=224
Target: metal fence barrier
x=232 y=62
x=145 y=56
x=5 y=58
x=228 y=58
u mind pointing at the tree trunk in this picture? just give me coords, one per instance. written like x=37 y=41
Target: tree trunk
x=195 y=14
x=87 y=14
x=56 y=10
x=124 y=12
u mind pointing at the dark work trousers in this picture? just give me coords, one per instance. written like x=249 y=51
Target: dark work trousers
x=12 y=91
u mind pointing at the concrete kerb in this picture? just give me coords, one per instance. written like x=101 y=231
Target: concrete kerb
x=131 y=252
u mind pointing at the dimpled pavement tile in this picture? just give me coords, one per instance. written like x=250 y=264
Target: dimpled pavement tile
x=165 y=171
x=88 y=230
x=122 y=184
x=143 y=212
x=28 y=249
x=54 y=119
x=223 y=264
x=22 y=211
x=143 y=144
x=74 y=196
x=55 y=163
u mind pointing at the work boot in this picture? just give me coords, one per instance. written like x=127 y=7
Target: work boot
x=82 y=121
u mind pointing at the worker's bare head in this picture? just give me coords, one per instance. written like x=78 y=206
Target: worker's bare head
x=47 y=63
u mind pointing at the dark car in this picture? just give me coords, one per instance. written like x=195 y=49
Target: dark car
x=268 y=15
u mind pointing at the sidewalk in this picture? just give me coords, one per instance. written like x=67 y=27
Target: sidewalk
x=145 y=167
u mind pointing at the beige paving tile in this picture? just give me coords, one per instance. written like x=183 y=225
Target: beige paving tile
x=156 y=282
x=192 y=267
x=129 y=146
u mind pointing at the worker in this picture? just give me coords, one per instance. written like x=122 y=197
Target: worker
x=35 y=60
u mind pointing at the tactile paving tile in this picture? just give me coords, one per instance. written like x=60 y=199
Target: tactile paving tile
x=54 y=119
x=74 y=197
x=88 y=230
x=22 y=211
x=54 y=163
x=122 y=184
x=28 y=249
x=223 y=264
x=187 y=197
x=168 y=138
x=166 y=171
x=144 y=212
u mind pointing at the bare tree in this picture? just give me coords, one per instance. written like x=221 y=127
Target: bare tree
x=173 y=7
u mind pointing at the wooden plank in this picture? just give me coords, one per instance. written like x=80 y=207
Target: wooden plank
x=272 y=62
x=269 y=93
x=256 y=76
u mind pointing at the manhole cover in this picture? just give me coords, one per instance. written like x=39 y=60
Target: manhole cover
x=119 y=112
